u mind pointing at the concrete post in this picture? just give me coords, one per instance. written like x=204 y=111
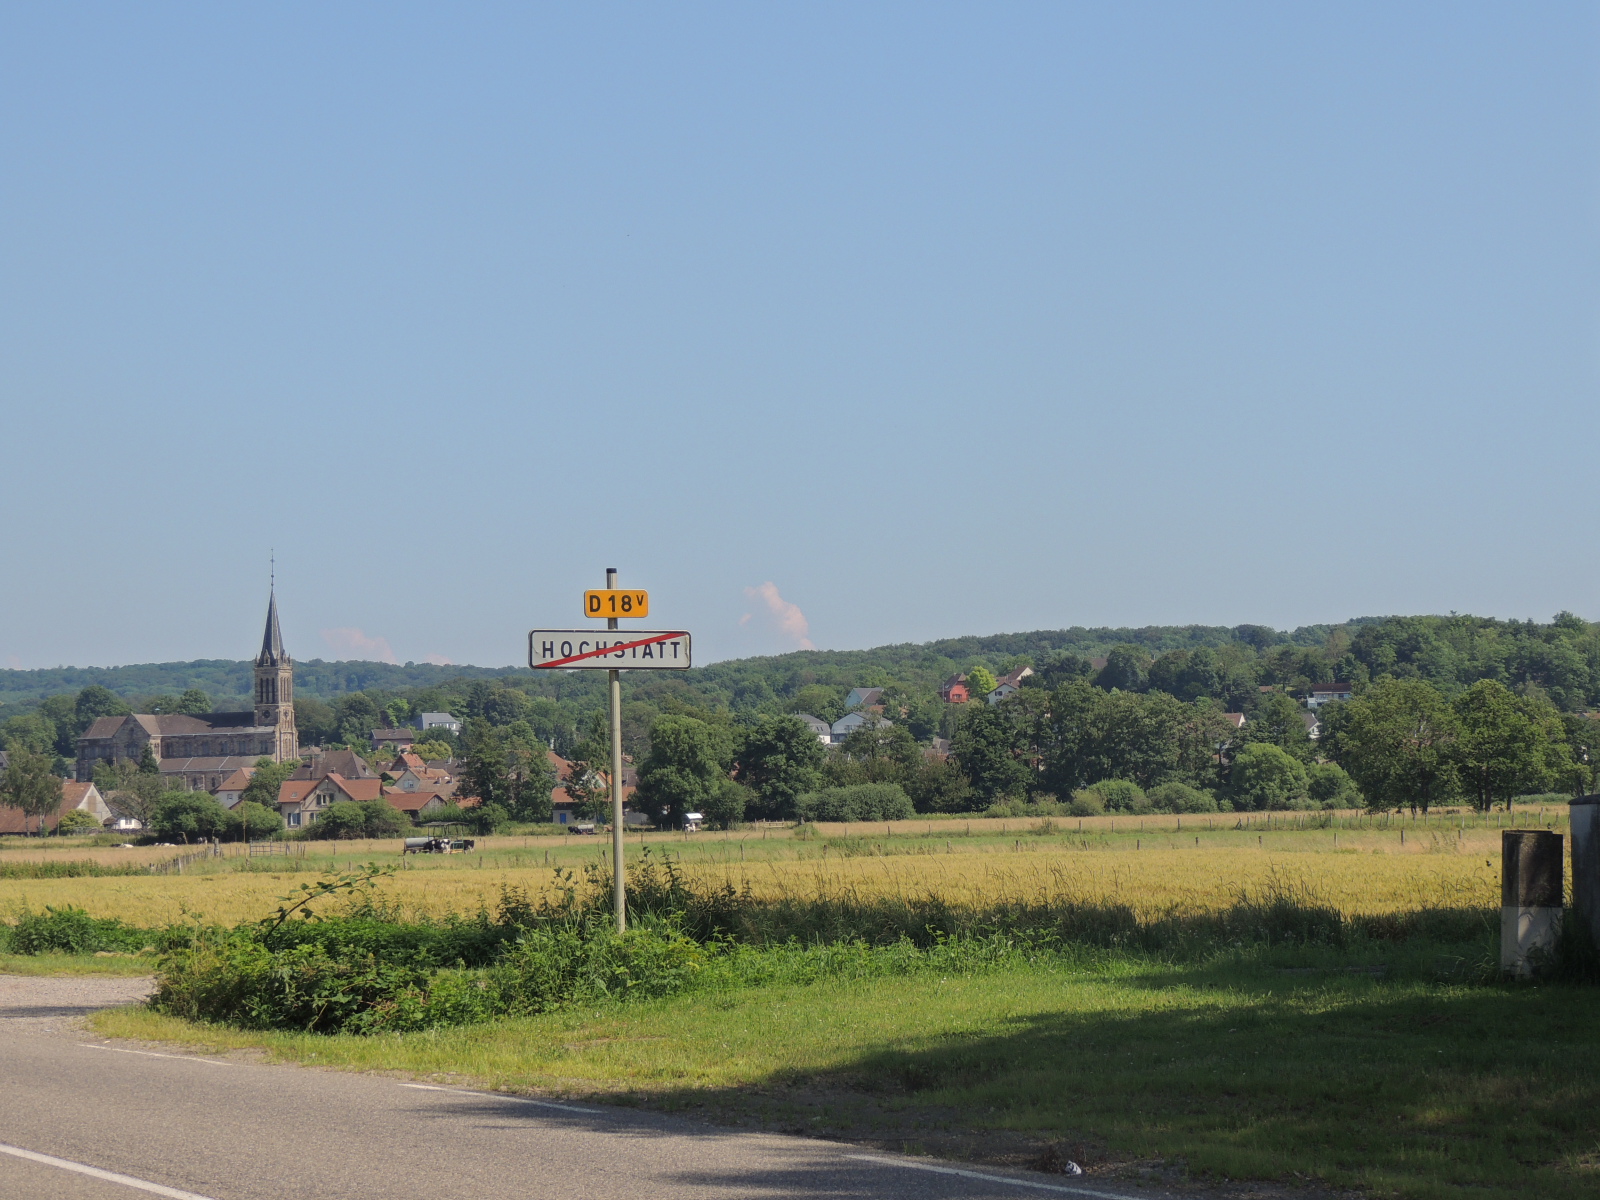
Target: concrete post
x=1586 y=866
x=1531 y=895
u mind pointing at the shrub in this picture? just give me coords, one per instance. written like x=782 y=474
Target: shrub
x=1265 y=777
x=1121 y=796
x=1086 y=804
x=77 y=821
x=72 y=931
x=189 y=816
x=725 y=806
x=1181 y=798
x=366 y=819
x=1329 y=786
x=859 y=802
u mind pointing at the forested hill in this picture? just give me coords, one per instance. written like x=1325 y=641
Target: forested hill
x=223 y=679
x=343 y=701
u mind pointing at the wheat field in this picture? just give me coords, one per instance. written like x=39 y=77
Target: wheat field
x=1153 y=866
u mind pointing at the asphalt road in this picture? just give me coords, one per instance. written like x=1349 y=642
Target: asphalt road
x=184 y=1126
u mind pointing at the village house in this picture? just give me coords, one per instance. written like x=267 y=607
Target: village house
x=302 y=801
x=394 y=739
x=564 y=805
x=954 y=690
x=852 y=721
x=1008 y=683
x=443 y=721
x=1327 y=693
x=865 y=698
x=83 y=796
x=817 y=726
x=231 y=788
x=326 y=762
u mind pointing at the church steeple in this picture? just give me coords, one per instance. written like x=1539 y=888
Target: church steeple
x=272 y=640
x=275 y=689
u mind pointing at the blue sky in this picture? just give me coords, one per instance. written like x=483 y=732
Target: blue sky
x=829 y=324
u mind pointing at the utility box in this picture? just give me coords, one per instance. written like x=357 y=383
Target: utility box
x=1531 y=894
x=1586 y=866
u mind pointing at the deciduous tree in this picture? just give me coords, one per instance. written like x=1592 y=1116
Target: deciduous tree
x=30 y=784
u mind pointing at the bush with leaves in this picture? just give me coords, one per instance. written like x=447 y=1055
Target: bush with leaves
x=363 y=819
x=190 y=817
x=1266 y=777
x=725 y=807
x=1121 y=796
x=862 y=802
x=1181 y=798
x=76 y=820
x=1330 y=786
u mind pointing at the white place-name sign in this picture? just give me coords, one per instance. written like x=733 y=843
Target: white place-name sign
x=608 y=650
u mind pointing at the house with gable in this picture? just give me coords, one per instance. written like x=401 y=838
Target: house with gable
x=817 y=726
x=394 y=739
x=954 y=690
x=865 y=698
x=852 y=721
x=1008 y=683
x=232 y=788
x=446 y=721
x=302 y=801
x=74 y=795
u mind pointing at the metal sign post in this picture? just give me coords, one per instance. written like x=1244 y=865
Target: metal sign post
x=587 y=650
x=619 y=899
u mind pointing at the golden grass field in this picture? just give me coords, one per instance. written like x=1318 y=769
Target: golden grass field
x=1153 y=865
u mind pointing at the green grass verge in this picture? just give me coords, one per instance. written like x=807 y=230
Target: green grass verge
x=1404 y=1087
x=77 y=964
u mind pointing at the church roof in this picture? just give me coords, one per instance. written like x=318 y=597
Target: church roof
x=171 y=723
x=272 y=640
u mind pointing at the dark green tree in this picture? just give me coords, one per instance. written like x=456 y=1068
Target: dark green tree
x=989 y=749
x=190 y=817
x=194 y=702
x=1397 y=741
x=1266 y=777
x=253 y=822
x=937 y=785
x=778 y=760
x=91 y=704
x=266 y=781
x=725 y=806
x=1124 y=670
x=30 y=785
x=682 y=770
x=1279 y=721
x=1505 y=744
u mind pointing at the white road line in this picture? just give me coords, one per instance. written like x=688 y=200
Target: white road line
x=1026 y=1183
x=152 y=1054
x=143 y=1185
x=428 y=1087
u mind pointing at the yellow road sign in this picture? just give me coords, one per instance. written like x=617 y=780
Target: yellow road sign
x=614 y=602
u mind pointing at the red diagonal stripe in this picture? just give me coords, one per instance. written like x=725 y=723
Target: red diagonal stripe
x=649 y=641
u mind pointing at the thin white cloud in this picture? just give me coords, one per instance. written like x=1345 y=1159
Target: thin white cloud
x=786 y=617
x=354 y=643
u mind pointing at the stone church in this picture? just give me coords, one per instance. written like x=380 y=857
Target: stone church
x=198 y=753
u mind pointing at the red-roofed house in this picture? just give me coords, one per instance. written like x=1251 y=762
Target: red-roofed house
x=302 y=801
x=73 y=795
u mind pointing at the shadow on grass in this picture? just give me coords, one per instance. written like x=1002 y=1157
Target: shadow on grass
x=1403 y=1087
